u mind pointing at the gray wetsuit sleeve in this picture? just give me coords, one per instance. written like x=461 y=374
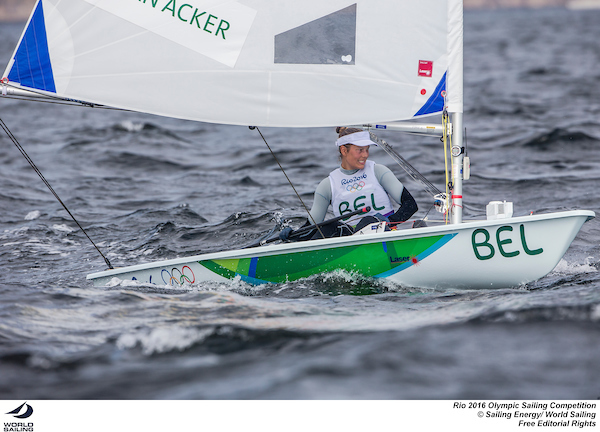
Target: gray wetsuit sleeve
x=389 y=182
x=321 y=201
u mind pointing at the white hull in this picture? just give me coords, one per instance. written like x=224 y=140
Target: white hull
x=519 y=264
x=480 y=254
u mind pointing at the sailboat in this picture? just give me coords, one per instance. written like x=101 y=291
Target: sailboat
x=378 y=64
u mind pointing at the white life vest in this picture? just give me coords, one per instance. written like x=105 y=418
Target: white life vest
x=361 y=189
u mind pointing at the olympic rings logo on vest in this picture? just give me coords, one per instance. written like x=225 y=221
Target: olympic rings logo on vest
x=355 y=187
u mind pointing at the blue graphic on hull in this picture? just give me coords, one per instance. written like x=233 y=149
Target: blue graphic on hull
x=438 y=245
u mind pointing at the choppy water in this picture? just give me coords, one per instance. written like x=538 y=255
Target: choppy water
x=150 y=188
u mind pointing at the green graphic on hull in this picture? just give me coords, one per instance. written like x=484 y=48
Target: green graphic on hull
x=379 y=259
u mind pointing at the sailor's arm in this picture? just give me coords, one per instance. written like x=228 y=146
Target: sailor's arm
x=321 y=202
x=397 y=191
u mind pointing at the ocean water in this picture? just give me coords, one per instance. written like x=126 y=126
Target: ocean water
x=149 y=188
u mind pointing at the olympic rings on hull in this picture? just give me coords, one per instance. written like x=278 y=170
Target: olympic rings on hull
x=178 y=277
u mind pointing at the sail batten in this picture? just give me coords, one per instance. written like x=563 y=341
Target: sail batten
x=249 y=62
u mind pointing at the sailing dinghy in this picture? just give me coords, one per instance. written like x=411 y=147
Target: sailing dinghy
x=380 y=64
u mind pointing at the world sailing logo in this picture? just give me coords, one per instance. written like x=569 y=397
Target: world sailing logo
x=26 y=414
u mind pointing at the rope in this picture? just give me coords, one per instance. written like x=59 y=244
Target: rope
x=410 y=170
x=39 y=173
x=289 y=181
x=445 y=140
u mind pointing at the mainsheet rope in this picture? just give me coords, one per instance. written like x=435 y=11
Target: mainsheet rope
x=447 y=139
x=49 y=186
x=288 y=179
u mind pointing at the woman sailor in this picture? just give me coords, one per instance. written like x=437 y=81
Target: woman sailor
x=357 y=183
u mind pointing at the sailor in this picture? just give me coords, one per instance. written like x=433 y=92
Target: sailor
x=358 y=183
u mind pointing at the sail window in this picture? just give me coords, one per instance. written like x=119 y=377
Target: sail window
x=327 y=40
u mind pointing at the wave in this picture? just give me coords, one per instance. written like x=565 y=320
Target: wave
x=566 y=268
x=182 y=231
x=128 y=161
x=164 y=339
x=246 y=181
x=560 y=137
x=577 y=313
x=38 y=240
x=576 y=137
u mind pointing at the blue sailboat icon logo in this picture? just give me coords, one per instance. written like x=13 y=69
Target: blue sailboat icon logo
x=25 y=415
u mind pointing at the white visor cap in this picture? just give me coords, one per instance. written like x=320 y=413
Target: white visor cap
x=361 y=139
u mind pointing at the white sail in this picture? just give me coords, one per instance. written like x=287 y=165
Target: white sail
x=246 y=62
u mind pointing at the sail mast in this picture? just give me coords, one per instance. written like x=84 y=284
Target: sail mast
x=456 y=209
x=455 y=104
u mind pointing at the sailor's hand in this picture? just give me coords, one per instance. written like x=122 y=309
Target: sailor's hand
x=381 y=217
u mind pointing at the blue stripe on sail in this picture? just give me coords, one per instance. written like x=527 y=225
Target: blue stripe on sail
x=435 y=103
x=32 y=67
